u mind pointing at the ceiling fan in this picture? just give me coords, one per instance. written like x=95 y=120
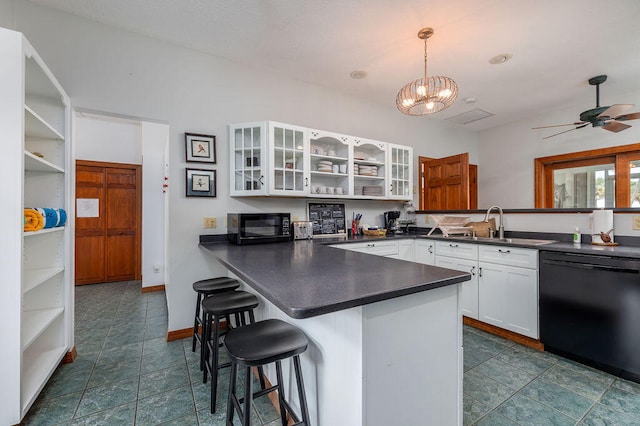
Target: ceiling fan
x=607 y=117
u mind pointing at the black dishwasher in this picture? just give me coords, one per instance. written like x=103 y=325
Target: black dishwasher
x=590 y=310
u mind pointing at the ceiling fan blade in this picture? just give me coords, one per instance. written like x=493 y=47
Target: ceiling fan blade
x=570 y=130
x=625 y=117
x=614 y=126
x=559 y=125
x=615 y=110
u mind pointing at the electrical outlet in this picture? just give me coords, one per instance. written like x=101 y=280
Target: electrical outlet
x=415 y=190
x=636 y=223
x=296 y=218
x=209 y=222
x=426 y=219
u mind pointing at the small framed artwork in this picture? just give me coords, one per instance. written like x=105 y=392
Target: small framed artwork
x=200 y=148
x=201 y=183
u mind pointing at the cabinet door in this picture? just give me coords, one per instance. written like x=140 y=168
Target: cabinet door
x=425 y=252
x=369 y=169
x=330 y=164
x=248 y=159
x=400 y=164
x=469 y=288
x=406 y=250
x=288 y=160
x=509 y=298
x=511 y=256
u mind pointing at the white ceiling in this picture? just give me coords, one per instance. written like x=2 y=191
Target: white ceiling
x=556 y=45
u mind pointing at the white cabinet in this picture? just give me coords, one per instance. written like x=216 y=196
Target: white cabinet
x=425 y=252
x=462 y=257
x=406 y=250
x=36 y=295
x=330 y=158
x=288 y=159
x=508 y=296
x=269 y=158
x=248 y=159
x=400 y=164
x=378 y=248
x=369 y=169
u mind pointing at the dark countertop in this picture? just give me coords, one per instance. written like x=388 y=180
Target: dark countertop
x=309 y=278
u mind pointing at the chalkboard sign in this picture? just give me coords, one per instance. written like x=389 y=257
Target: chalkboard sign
x=328 y=219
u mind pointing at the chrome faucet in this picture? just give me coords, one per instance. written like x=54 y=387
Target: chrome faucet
x=501 y=226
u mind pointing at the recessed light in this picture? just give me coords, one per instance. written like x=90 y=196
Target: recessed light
x=500 y=59
x=358 y=74
x=469 y=100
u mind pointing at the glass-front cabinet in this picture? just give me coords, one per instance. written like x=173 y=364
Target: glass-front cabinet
x=329 y=159
x=369 y=168
x=270 y=158
x=248 y=159
x=288 y=164
x=400 y=162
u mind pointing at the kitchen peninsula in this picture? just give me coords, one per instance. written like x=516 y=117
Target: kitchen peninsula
x=385 y=334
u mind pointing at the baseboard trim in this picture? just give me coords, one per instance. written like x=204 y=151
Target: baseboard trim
x=152 y=288
x=179 y=334
x=70 y=356
x=510 y=335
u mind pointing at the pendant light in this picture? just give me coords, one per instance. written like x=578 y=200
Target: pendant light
x=426 y=95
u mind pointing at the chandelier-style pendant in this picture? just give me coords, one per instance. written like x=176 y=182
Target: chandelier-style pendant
x=426 y=95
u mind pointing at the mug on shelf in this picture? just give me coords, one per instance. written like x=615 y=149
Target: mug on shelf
x=343 y=168
x=335 y=168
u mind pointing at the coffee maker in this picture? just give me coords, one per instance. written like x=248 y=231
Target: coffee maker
x=391 y=222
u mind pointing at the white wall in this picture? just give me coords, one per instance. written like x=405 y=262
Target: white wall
x=99 y=138
x=111 y=70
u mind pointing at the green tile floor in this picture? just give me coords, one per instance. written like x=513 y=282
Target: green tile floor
x=126 y=373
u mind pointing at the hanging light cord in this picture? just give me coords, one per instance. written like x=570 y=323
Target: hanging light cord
x=425 y=61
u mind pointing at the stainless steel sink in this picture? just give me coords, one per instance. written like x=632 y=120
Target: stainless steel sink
x=523 y=241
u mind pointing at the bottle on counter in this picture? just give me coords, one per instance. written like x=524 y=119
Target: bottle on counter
x=577 y=236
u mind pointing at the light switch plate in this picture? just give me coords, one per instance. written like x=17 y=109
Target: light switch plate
x=636 y=223
x=209 y=222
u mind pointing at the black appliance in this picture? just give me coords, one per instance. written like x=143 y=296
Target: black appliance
x=590 y=310
x=391 y=222
x=255 y=228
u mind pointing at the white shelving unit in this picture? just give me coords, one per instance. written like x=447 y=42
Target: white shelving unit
x=36 y=295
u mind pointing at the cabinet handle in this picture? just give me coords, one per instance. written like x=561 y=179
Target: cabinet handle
x=504 y=251
x=430 y=249
x=371 y=245
x=306 y=182
x=479 y=271
x=260 y=180
x=453 y=245
x=473 y=270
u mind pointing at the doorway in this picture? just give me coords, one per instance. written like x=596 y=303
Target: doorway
x=108 y=230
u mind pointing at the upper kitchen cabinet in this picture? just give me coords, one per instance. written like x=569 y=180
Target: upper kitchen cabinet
x=330 y=158
x=369 y=169
x=269 y=158
x=288 y=162
x=248 y=158
x=36 y=166
x=400 y=163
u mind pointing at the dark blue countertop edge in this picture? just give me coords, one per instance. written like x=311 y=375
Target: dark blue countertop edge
x=300 y=296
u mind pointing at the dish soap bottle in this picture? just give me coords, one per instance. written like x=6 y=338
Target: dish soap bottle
x=577 y=237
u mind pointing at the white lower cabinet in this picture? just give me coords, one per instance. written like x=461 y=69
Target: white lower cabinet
x=464 y=258
x=508 y=296
x=425 y=252
x=503 y=290
x=379 y=248
x=406 y=250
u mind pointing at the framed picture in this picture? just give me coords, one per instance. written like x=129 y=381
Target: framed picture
x=200 y=148
x=201 y=183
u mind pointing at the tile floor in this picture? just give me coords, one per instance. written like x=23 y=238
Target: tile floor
x=126 y=373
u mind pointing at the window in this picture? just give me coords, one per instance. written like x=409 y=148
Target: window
x=603 y=178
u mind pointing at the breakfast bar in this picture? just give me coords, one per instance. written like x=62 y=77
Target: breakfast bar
x=385 y=334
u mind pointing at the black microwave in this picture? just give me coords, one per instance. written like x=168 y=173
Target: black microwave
x=255 y=228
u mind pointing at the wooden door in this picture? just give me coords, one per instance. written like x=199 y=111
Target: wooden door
x=108 y=247
x=446 y=183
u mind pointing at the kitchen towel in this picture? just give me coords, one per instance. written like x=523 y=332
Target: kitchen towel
x=602 y=222
x=52 y=217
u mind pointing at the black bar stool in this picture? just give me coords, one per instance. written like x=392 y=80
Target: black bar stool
x=259 y=344
x=206 y=288
x=240 y=305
